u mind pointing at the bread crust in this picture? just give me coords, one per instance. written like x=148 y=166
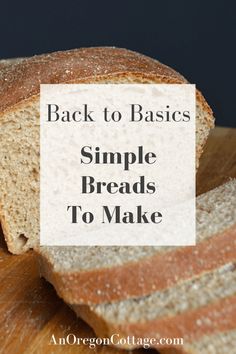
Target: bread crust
x=21 y=81
x=6 y=62
x=143 y=277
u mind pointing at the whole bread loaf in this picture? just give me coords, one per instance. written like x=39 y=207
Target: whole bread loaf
x=92 y=275
x=19 y=121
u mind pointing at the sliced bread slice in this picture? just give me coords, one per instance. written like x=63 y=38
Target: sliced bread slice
x=19 y=123
x=190 y=310
x=103 y=274
x=219 y=343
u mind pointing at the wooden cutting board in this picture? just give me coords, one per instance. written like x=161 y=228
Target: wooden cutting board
x=30 y=311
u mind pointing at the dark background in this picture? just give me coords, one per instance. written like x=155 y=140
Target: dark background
x=197 y=38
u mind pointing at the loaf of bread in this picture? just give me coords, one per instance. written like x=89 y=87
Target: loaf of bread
x=19 y=133
x=104 y=274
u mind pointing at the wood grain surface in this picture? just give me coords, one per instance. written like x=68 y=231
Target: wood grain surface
x=30 y=311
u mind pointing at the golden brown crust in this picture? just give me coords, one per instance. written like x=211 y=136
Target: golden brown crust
x=143 y=277
x=21 y=81
x=218 y=316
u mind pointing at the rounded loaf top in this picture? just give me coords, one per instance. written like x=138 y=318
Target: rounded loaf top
x=22 y=79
